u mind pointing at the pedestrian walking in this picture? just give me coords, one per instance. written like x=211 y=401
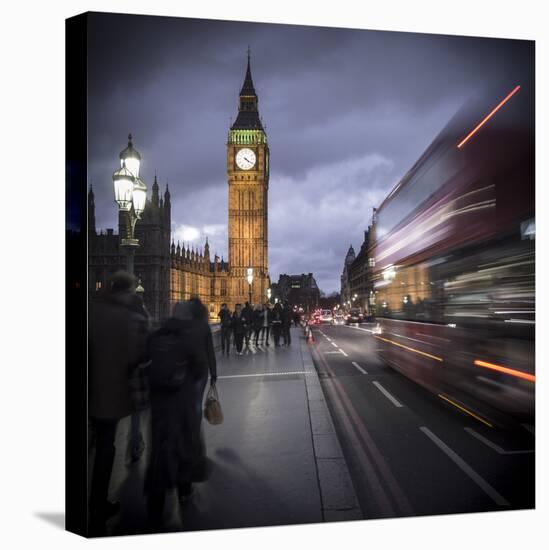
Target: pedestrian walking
x=171 y=353
x=248 y=316
x=258 y=322
x=205 y=363
x=225 y=320
x=286 y=324
x=277 y=323
x=266 y=328
x=297 y=318
x=238 y=325
x=182 y=355
x=117 y=343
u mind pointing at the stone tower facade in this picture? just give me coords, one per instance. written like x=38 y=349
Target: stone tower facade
x=248 y=179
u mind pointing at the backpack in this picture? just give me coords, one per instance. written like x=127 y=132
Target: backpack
x=169 y=361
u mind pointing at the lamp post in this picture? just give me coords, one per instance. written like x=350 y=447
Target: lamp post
x=131 y=194
x=269 y=295
x=250 y=277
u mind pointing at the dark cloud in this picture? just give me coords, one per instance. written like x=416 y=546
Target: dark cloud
x=347 y=112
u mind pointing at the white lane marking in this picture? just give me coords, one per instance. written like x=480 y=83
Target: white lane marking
x=360 y=328
x=263 y=374
x=493 y=446
x=329 y=339
x=356 y=365
x=484 y=485
x=387 y=394
x=342 y=352
x=333 y=344
x=529 y=428
x=338 y=352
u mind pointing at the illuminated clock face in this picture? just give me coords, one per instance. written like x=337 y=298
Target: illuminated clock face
x=245 y=159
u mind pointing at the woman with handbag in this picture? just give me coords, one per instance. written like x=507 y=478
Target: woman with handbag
x=194 y=467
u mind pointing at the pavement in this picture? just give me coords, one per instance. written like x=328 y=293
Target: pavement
x=276 y=459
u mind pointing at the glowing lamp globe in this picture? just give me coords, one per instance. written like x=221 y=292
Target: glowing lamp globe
x=139 y=197
x=130 y=158
x=123 y=188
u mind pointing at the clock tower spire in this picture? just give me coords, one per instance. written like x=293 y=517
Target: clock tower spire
x=248 y=115
x=248 y=179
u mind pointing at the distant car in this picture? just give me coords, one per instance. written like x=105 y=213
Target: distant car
x=339 y=318
x=354 y=316
x=314 y=319
x=326 y=316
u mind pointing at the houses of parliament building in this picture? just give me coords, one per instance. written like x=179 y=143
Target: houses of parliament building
x=169 y=272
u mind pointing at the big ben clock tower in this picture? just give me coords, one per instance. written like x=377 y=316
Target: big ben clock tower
x=248 y=178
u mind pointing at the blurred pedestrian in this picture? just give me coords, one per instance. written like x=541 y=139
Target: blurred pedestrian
x=182 y=355
x=238 y=325
x=117 y=343
x=170 y=350
x=225 y=321
x=136 y=441
x=248 y=316
x=257 y=322
x=194 y=448
x=297 y=318
x=266 y=328
x=286 y=324
x=277 y=323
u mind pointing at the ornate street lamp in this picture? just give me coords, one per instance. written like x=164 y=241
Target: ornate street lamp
x=269 y=295
x=250 y=277
x=131 y=195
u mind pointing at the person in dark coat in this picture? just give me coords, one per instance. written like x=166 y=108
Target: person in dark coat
x=248 y=315
x=205 y=363
x=117 y=344
x=286 y=324
x=225 y=321
x=238 y=324
x=277 y=323
x=297 y=318
x=258 y=322
x=171 y=352
x=182 y=355
x=136 y=441
x=266 y=324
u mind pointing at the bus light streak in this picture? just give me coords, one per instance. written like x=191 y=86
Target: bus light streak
x=410 y=349
x=506 y=370
x=466 y=411
x=488 y=117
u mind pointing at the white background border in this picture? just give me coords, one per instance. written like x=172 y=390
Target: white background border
x=32 y=270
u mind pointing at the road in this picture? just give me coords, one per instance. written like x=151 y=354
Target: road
x=409 y=452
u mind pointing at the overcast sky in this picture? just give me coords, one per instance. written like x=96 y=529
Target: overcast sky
x=347 y=112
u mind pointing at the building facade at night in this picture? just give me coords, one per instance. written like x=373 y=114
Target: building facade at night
x=358 y=272
x=298 y=290
x=345 y=281
x=169 y=272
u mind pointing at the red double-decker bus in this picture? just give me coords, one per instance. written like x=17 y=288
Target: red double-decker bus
x=454 y=250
